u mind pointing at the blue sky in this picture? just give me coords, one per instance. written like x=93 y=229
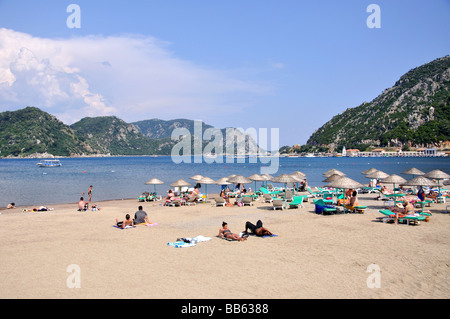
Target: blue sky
x=286 y=64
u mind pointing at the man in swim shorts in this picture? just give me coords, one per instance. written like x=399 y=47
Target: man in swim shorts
x=257 y=229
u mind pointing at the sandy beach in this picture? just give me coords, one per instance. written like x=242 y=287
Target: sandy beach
x=313 y=256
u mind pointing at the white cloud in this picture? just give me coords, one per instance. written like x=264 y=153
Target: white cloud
x=133 y=77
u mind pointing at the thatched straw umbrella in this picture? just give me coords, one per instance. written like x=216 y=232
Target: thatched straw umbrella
x=393 y=179
x=256 y=177
x=437 y=174
x=180 y=183
x=206 y=180
x=154 y=182
x=345 y=183
x=333 y=171
x=284 y=178
x=369 y=171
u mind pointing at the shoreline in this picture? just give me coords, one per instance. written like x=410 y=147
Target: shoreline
x=314 y=256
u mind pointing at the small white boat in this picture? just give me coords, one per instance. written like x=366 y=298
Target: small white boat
x=49 y=163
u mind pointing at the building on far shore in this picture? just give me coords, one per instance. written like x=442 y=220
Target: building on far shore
x=378 y=152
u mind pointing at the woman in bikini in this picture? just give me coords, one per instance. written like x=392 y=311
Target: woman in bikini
x=224 y=232
x=127 y=222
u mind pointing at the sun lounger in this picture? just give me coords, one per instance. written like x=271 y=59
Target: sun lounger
x=266 y=191
x=247 y=201
x=176 y=203
x=328 y=198
x=390 y=216
x=220 y=201
x=191 y=201
x=278 y=204
x=314 y=194
x=267 y=198
x=355 y=209
x=322 y=208
x=297 y=201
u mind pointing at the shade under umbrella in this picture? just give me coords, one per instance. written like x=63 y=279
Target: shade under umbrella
x=333 y=171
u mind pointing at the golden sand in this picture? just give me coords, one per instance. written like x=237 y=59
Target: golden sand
x=314 y=256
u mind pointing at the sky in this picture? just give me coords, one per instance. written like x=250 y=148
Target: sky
x=289 y=65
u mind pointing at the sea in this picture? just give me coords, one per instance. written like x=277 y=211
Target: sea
x=113 y=178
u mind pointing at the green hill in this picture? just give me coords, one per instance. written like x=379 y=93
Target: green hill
x=415 y=111
x=111 y=135
x=31 y=130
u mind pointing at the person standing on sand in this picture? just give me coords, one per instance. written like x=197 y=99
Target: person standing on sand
x=90 y=193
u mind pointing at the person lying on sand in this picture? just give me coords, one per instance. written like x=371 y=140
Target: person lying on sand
x=224 y=232
x=257 y=229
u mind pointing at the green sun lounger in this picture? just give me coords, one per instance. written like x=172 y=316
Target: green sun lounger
x=314 y=194
x=390 y=216
x=266 y=191
x=297 y=201
x=321 y=207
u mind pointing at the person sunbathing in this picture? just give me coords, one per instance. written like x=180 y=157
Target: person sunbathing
x=127 y=222
x=353 y=200
x=402 y=210
x=257 y=229
x=432 y=195
x=169 y=198
x=224 y=196
x=224 y=232
x=386 y=191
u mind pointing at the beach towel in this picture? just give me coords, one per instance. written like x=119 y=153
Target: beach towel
x=126 y=227
x=180 y=244
x=148 y=224
x=273 y=235
x=188 y=241
x=265 y=236
x=201 y=238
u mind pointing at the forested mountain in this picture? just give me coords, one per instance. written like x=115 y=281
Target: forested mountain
x=414 y=112
x=32 y=131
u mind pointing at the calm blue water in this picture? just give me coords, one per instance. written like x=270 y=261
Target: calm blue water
x=23 y=182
